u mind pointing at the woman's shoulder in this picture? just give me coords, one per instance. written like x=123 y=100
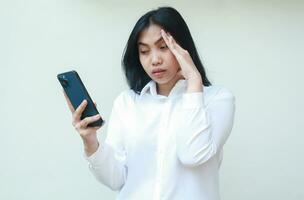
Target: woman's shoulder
x=215 y=92
x=125 y=97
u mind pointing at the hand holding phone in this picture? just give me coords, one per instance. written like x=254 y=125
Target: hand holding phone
x=79 y=101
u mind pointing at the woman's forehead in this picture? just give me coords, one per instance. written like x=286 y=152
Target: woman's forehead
x=150 y=35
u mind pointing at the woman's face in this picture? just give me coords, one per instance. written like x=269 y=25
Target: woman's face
x=156 y=58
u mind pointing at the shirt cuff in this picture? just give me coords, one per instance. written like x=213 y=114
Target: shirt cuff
x=98 y=156
x=193 y=100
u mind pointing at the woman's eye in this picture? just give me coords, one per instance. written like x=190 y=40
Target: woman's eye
x=143 y=52
x=164 y=47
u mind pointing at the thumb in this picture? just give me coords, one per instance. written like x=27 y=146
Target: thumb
x=179 y=74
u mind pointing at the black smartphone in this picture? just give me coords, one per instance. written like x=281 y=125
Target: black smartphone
x=76 y=92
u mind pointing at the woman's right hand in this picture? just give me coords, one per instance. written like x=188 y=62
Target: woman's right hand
x=88 y=134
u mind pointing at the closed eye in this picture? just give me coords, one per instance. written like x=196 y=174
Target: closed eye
x=144 y=52
x=164 y=47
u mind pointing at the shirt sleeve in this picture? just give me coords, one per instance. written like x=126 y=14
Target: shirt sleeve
x=108 y=163
x=203 y=129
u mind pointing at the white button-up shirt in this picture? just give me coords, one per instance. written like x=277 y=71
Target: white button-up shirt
x=167 y=148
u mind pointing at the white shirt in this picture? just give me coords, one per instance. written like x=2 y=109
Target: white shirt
x=167 y=148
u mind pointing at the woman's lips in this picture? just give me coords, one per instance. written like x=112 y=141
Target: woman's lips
x=159 y=73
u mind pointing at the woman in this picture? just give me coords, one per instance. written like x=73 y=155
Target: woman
x=166 y=133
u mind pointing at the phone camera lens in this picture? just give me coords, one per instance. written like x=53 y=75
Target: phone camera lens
x=64 y=81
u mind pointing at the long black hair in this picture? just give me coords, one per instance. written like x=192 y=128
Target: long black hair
x=171 y=21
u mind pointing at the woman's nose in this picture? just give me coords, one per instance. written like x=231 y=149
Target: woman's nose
x=156 y=59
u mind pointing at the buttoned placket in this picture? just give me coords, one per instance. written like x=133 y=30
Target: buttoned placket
x=162 y=144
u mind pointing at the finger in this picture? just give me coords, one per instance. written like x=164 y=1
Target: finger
x=95 y=104
x=169 y=42
x=180 y=75
x=95 y=128
x=91 y=129
x=175 y=44
x=84 y=123
x=166 y=38
x=79 y=110
x=172 y=42
x=69 y=102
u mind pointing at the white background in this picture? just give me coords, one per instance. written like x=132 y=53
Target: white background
x=254 y=48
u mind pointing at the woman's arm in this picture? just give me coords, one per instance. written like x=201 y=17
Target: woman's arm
x=202 y=131
x=108 y=163
x=106 y=160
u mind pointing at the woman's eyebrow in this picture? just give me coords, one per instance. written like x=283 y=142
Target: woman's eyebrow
x=157 y=41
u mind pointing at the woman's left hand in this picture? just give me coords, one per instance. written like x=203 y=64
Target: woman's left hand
x=188 y=68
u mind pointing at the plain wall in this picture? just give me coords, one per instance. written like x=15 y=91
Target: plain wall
x=254 y=48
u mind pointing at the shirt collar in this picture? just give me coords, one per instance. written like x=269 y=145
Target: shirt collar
x=179 y=88
x=150 y=87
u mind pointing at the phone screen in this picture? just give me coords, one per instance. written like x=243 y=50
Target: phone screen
x=76 y=92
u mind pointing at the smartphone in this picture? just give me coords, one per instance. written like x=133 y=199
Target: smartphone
x=76 y=92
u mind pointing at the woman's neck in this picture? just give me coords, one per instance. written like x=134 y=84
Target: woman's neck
x=165 y=89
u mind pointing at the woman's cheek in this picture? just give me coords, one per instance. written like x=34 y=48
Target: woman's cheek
x=144 y=62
